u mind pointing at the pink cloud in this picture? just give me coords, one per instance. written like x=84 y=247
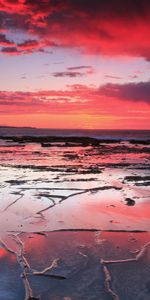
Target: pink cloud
x=135 y=92
x=99 y=27
x=4 y=42
x=80 y=98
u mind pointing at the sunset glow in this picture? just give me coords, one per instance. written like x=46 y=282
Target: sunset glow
x=75 y=64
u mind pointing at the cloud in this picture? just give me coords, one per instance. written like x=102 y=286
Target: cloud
x=134 y=92
x=77 y=106
x=75 y=72
x=4 y=42
x=112 y=76
x=71 y=74
x=98 y=27
x=84 y=69
x=111 y=98
x=74 y=98
x=10 y=50
x=29 y=46
x=26 y=47
x=133 y=76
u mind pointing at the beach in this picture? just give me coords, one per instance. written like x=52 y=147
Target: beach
x=75 y=215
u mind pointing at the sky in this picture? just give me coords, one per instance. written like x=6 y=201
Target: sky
x=75 y=64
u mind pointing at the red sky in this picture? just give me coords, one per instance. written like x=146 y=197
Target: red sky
x=75 y=64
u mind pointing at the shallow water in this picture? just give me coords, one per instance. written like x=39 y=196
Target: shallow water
x=74 y=218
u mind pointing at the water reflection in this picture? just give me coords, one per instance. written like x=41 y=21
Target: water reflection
x=82 y=193
x=70 y=265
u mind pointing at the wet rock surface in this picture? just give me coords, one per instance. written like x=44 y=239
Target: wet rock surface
x=75 y=219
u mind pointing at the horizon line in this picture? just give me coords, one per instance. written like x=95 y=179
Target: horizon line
x=69 y=129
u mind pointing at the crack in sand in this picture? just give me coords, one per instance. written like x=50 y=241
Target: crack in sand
x=108 y=279
x=62 y=198
x=25 y=266
x=12 y=203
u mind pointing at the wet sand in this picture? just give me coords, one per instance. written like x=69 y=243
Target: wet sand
x=75 y=218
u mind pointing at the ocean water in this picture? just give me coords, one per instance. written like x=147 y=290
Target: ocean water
x=95 y=133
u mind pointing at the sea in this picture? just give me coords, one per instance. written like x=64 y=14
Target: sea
x=94 y=133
